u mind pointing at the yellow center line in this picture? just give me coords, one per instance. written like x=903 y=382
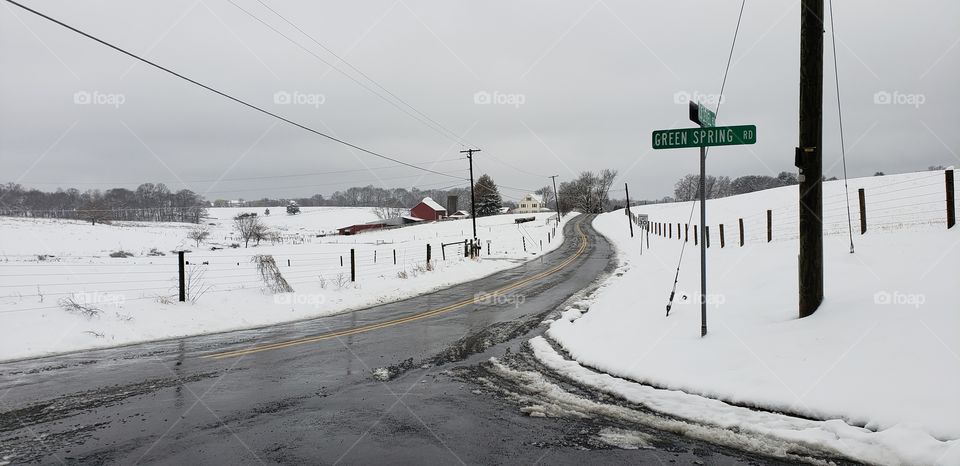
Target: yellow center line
x=410 y=318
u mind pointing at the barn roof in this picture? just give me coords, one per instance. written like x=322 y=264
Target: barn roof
x=433 y=204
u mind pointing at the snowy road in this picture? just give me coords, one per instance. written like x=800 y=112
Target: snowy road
x=405 y=382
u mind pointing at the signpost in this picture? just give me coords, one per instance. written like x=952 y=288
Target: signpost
x=707 y=135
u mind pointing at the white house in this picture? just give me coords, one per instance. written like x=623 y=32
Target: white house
x=529 y=204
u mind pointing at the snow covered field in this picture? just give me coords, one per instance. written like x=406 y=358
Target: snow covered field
x=880 y=357
x=137 y=296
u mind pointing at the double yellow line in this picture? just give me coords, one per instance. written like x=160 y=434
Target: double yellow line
x=410 y=318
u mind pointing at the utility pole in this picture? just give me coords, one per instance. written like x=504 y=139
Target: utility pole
x=556 y=196
x=473 y=200
x=810 y=156
x=630 y=215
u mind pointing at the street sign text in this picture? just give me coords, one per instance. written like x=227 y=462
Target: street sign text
x=704 y=137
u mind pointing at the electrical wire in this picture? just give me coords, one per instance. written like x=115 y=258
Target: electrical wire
x=426 y=120
x=843 y=151
x=222 y=93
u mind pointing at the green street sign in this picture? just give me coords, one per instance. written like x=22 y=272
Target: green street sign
x=702 y=115
x=704 y=137
x=707 y=117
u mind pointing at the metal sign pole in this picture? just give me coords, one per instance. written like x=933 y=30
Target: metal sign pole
x=703 y=241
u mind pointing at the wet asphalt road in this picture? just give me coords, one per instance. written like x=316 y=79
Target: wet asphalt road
x=317 y=401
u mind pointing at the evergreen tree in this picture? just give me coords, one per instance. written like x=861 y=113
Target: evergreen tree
x=488 y=197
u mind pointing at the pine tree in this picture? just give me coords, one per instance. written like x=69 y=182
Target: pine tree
x=488 y=197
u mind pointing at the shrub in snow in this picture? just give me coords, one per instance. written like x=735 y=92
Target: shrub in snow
x=121 y=254
x=270 y=273
x=72 y=305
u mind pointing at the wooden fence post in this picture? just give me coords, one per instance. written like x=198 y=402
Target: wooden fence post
x=686 y=232
x=428 y=255
x=524 y=243
x=678 y=230
x=394 y=257
x=951 y=208
x=288 y=262
x=182 y=276
x=706 y=234
x=695 y=235
x=670 y=229
x=722 y=241
x=769 y=225
x=353 y=265
x=863 y=210
x=741 y=232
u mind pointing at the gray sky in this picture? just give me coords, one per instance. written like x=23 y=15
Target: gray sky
x=571 y=86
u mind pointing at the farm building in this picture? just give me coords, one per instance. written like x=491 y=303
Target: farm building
x=428 y=209
x=377 y=224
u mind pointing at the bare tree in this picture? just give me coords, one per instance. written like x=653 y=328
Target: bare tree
x=588 y=193
x=387 y=208
x=546 y=193
x=198 y=234
x=249 y=226
x=604 y=182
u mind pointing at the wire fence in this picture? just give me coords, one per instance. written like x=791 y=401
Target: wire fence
x=927 y=201
x=40 y=282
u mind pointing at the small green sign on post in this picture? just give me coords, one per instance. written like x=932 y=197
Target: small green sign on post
x=704 y=137
x=707 y=117
x=702 y=115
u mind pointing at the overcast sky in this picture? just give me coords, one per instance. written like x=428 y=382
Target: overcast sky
x=542 y=87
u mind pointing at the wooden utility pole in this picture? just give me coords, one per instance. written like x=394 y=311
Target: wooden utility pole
x=473 y=200
x=629 y=215
x=810 y=156
x=556 y=196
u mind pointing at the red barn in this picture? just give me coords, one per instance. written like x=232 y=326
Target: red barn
x=428 y=209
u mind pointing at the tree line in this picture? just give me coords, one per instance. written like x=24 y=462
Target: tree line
x=688 y=187
x=149 y=202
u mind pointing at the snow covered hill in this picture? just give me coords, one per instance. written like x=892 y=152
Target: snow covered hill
x=45 y=262
x=881 y=353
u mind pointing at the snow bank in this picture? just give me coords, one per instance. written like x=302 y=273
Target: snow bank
x=881 y=352
x=763 y=432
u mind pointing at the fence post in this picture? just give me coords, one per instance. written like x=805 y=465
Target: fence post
x=374 y=256
x=548 y=237
x=524 y=243
x=706 y=233
x=541 y=245
x=695 y=235
x=670 y=231
x=722 y=241
x=394 y=257
x=443 y=252
x=182 y=273
x=288 y=262
x=863 y=210
x=686 y=232
x=678 y=230
x=353 y=265
x=428 y=255
x=951 y=207
x=741 y=232
x=341 y=260
x=769 y=225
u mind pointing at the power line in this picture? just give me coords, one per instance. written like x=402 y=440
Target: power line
x=221 y=93
x=224 y=180
x=430 y=122
x=843 y=151
x=326 y=184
